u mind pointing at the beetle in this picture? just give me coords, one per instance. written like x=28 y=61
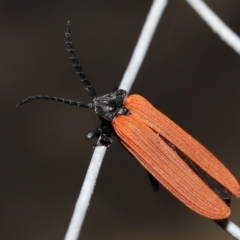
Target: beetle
x=169 y=154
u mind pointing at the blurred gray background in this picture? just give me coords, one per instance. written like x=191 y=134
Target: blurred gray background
x=189 y=74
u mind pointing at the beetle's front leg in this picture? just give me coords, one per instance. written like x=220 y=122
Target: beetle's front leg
x=103 y=133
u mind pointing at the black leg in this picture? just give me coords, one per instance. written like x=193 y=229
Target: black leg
x=222 y=222
x=103 y=133
x=222 y=192
x=154 y=182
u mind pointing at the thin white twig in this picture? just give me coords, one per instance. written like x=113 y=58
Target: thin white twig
x=233 y=40
x=143 y=43
x=229 y=227
x=86 y=192
x=217 y=25
x=233 y=229
x=99 y=152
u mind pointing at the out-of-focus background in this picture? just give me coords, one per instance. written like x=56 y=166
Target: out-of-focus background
x=189 y=74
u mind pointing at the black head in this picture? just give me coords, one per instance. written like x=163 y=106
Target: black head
x=110 y=105
x=106 y=107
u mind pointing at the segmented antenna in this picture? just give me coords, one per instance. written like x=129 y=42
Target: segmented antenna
x=45 y=97
x=76 y=63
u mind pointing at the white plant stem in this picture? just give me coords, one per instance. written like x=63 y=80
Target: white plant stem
x=233 y=40
x=217 y=25
x=229 y=227
x=85 y=195
x=142 y=45
x=232 y=229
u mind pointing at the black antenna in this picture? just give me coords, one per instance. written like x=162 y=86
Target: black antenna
x=79 y=72
x=76 y=63
x=45 y=97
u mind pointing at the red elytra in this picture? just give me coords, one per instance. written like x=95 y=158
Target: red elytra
x=141 y=129
x=138 y=132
